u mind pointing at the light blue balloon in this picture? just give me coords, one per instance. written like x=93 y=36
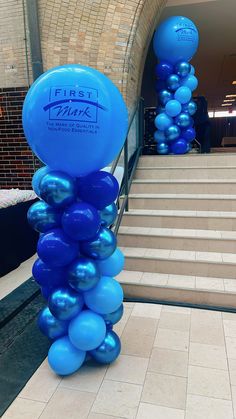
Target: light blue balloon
x=106 y=297
x=108 y=215
x=173 y=108
x=36 y=179
x=87 y=331
x=192 y=71
x=162 y=148
x=68 y=116
x=163 y=121
x=183 y=94
x=191 y=82
x=64 y=358
x=113 y=265
x=109 y=350
x=159 y=136
x=176 y=39
x=42 y=217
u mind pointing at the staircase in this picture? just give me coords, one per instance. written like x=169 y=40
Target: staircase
x=179 y=236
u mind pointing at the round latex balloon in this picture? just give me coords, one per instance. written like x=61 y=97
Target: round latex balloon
x=64 y=358
x=163 y=70
x=163 y=121
x=173 y=82
x=172 y=133
x=184 y=120
x=81 y=221
x=191 y=82
x=106 y=297
x=69 y=114
x=87 y=331
x=188 y=134
x=46 y=276
x=190 y=107
x=113 y=318
x=192 y=71
x=176 y=39
x=102 y=246
x=36 y=179
x=65 y=303
x=173 y=108
x=113 y=265
x=83 y=274
x=164 y=96
x=183 y=94
x=162 y=148
x=179 y=147
x=58 y=189
x=182 y=68
x=159 y=136
x=99 y=189
x=109 y=349
x=56 y=249
x=42 y=217
x=108 y=215
x=47 y=292
x=50 y=326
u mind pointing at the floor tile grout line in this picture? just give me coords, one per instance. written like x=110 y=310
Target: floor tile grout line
x=187 y=383
x=227 y=360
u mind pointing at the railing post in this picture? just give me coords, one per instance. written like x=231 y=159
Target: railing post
x=126 y=174
x=141 y=123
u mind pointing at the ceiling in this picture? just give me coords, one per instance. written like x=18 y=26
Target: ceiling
x=215 y=60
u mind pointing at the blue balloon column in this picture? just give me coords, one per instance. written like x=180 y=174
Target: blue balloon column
x=175 y=42
x=75 y=121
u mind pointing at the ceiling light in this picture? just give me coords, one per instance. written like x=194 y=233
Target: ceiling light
x=230 y=96
x=225 y=104
x=234 y=82
x=229 y=100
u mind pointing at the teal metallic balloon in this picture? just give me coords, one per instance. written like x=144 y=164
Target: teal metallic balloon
x=102 y=246
x=164 y=96
x=184 y=120
x=159 y=136
x=172 y=133
x=190 y=107
x=36 y=179
x=108 y=215
x=83 y=274
x=50 y=326
x=64 y=358
x=162 y=148
x=58 y=189
x=42 y=217
x=65 y=303
x=109 y=350
x=182 y=68
x=113 y=318
x=173 y=82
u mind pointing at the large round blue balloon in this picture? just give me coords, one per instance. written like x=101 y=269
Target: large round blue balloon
x=184 y=120
x=108 y=215
x=102 y=246
x=189 y=134
x=164 y=96
x=173 y=82
x=46 y=276
x=176 y=39
x=58 y=189
x=36 y=179
x=183 y=94
x=173 y=108
x=190 y=107
x=172 y=133
x=163 y=121
x=50 y=326
x=65 y=303
x=183 y=68
x=83 y=274
x=87 y=331
x=99 y=189
x=109 y=349
x=81 y=221
x=179 y=147
x=113 y=265
x=113 y=318
x=162 y=148
x=64 y=358
x=57 y=249
x=191 y=82
x=159 y=136
x=70 y=114
x=163 y=70
x=42 y=217
x=106 y=297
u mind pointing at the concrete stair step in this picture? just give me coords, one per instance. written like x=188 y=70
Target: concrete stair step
x=192 y=160
x=187 y=172
x=200 y=186
x=178 y=239
x=180 y=262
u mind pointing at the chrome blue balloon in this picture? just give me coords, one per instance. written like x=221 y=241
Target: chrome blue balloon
x=113 y=265
x=50 y=326
x=163 y=70
x=164 y=96
x=108 y=215
x=173 y=108
x=191 y=82
x=46 y=276
x=56 y=249
x=81 y=221
x=113 y=318
x=102 y=246
x=190 y=107
x=99 y=189
x=64 y=358
x=188 y=134
x=42 y=217
x=65 y=303
x=163 y=121
x=159 y=136
x=36 y=179
x=184 y=120
x=83 y=274
x=173 y=82
x=182 y=68
x=172 y=133
x=87 y=331
x=109 y=350
x=179 y=147
x=58 y=189
x=106 y=297
x=183 y=94
x=162 y=148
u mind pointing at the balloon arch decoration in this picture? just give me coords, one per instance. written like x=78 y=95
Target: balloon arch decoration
x=75 y=121
x=175 y=42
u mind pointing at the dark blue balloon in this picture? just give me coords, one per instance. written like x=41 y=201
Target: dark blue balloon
x=164 y=96
x=83 y=274
x=188 y=134
x=113 y=318
x=160 y=109
x=64 y=358
x=109 y=350
x=160 y=85
x=65 y=303
x=87 y=331
x=180 y=146
x=81 y=221
x=184 y=120
x=38 y=177
x=190 y=107
x=50 y=326
x=102 y=246
x=99 y=189
x=47 y=292
x=106 y=297
x=162 y=148
x=46 y=276
x=58 y=189
x=182 y=68
x=173 y=82
x=163 y=70
x=108 y=215
x=172 y=133
x=42 y=217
